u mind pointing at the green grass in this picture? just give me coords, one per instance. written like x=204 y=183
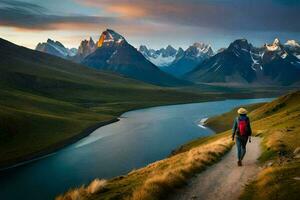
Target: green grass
x=46 y=101
x=224 y=122
x=278 y=124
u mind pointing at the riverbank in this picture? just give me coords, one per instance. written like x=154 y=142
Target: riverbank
x=34 y=125
x=56 y=147
x=7 y=164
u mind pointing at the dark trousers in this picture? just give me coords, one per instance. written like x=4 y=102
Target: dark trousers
x=241 y=142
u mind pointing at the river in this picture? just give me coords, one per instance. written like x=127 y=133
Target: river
x=139 y=138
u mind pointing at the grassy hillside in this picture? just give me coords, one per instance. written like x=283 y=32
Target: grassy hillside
x=47 y=102
x=277 y=122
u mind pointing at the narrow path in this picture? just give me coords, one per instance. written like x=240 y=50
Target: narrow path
x=224 y=180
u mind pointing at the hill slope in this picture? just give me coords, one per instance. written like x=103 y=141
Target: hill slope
x=46 y=101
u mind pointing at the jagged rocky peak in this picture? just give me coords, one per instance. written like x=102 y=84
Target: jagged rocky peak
x=143 y=48
x=180 y=52
x=180 y=49
x=168 y=51
x=55 y=48
x=52 y=42
x=198 y=49
x=109 y=38
x=240 y=44
x=201 y=45
x=276 y=41
x=275 y=46
x=161 y=57
x=91 y=42
x=86 y=47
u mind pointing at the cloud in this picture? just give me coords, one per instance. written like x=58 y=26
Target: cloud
x=154 y=22
x=232 y=15
x=23 y=15
x=22 y=5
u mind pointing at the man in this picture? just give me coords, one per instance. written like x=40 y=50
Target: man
x=241 y=132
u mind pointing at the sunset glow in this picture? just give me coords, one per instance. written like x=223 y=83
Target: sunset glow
x=154 y=23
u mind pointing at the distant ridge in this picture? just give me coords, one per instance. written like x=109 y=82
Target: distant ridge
x=241 y=63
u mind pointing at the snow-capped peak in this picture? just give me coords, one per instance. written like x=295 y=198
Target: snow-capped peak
x=109 y=37
x=55 y=48
x=292 y=43
x=162 y=57
x=275 y=46
x=276 y=42
x=199 y=49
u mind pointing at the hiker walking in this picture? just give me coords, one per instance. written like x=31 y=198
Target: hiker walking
x=241 y=132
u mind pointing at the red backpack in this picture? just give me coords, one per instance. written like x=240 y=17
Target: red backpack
x=243 y=127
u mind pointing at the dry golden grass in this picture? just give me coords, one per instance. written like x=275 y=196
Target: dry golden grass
x=180 y=168
x=83 y=192
x=157 y=179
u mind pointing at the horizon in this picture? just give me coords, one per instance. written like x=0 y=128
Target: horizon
x=176 y=23
x=150 y=47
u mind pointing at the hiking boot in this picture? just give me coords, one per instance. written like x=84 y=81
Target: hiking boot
x=239 y=163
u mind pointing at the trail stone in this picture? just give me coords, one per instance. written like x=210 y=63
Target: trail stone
x=297 y=151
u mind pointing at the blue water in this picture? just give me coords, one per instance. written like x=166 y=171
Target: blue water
x=139 y=138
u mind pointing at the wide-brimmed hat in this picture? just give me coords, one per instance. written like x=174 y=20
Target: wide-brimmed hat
x=242 y=111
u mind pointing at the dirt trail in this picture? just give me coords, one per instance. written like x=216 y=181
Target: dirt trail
x=224 y=180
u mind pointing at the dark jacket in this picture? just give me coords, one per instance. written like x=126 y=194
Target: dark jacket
x=235 y=130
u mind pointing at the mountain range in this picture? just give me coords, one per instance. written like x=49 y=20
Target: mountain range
x=189 y=59
x=115 y=54
x=240 y=63
x=56 y=48
x=162 y=57
x=178 y=62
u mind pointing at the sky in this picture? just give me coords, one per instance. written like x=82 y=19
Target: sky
x=155 y=23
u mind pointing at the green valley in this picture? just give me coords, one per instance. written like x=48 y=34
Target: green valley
x=48 y=102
